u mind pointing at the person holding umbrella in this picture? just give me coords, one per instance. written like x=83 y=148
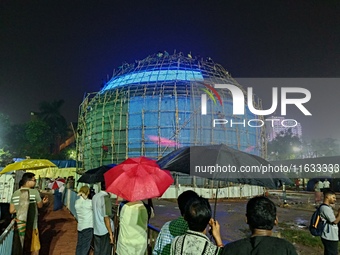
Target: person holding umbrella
x=133 y=225
x=135 y=180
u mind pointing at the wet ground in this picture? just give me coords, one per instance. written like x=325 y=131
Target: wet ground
x=231 y=215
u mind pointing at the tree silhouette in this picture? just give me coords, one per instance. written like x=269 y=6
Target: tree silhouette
x=325 y=147
x=32 y=139
x=282 y=147
x=50 y=114
x=5 y=128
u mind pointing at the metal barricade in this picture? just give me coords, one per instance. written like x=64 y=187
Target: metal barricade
x=70 y=197
x=6 y=239
x=152 y=236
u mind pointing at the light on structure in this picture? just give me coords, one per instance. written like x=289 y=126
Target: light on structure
x=153 y=106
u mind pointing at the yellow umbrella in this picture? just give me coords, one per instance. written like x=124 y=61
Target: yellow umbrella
x=55 y=172
x=28 y=164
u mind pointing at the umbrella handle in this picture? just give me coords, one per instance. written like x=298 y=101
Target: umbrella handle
x=214 y=214
x=116 y=227
x=215 y=205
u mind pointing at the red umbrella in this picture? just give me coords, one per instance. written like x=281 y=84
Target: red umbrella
x=56 y=184
x=137 y=179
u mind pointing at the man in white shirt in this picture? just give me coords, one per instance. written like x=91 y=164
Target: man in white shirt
x=102 y=223
x=84 y=212
x=318 y=192
x=326 y=185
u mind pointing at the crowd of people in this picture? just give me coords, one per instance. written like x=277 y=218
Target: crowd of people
x=125 y=230
x=96 y=221
x=187 y=234
x=196 y=216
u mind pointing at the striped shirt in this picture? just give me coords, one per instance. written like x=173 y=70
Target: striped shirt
x=32 y=214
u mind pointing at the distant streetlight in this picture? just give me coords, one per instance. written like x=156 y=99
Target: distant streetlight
x=34 y=115
x=71 y=154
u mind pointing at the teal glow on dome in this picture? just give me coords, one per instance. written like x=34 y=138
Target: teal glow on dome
x=154 y=76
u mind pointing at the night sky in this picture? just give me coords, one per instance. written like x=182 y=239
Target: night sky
x=51 y=50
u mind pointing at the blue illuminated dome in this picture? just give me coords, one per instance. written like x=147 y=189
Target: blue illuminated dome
x=153 y=106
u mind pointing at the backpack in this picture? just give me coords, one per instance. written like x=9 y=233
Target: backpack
x=108 y=205
x=317 y=224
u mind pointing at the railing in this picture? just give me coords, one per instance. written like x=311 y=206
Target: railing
x=152 y=236
x=69 y=200
x=6 y=239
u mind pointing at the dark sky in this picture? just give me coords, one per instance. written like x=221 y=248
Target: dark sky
x=51 y=50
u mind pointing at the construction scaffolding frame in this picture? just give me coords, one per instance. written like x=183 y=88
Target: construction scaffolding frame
x=160 y=96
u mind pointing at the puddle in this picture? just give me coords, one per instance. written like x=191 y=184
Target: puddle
x=301 y=222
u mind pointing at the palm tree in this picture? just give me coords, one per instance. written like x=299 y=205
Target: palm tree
x=50 y=113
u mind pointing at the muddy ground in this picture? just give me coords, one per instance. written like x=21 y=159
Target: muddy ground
x=231 y=215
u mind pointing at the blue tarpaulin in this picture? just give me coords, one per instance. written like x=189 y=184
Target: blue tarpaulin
x=58 y=163
x=64 y=163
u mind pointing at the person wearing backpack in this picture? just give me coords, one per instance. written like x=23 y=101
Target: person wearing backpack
x=329 y=236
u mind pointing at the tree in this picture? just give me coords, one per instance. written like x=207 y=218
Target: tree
x=18 y=141
x=38 y=138
x=284 y=146
x=33 y=139
x=5 y=127
x=50 y=113
x=5 y=157
x=325 y=147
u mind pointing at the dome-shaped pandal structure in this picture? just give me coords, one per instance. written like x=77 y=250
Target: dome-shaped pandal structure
x=153 y=106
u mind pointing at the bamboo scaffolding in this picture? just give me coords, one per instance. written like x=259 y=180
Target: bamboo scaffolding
x=160 y=92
